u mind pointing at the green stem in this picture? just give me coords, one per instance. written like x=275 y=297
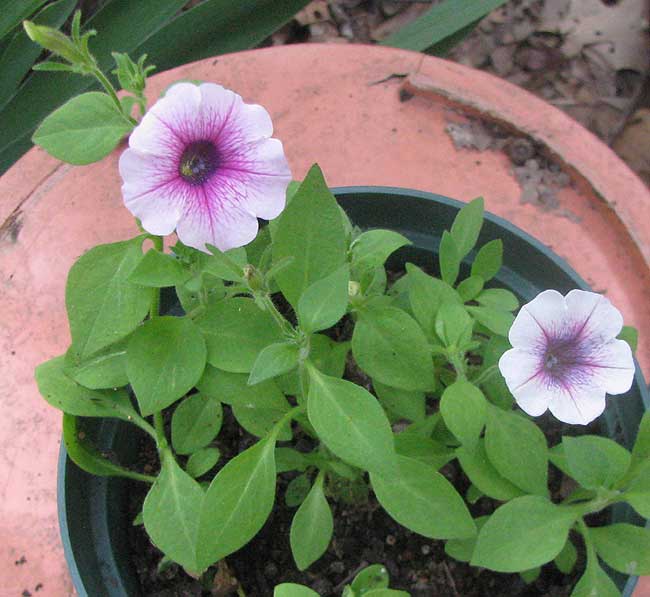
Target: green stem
x=159 y=424
x=458 y=364
x=154 y=309
x=296 y=410
x=139 y=477
x=283 y=324
x=106 y=84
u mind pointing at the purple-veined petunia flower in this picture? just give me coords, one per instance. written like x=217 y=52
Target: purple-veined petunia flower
x=203 y=163
x=566 y=357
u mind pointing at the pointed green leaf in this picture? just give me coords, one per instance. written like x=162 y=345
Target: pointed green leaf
x=499 y=299
x=311 y=231
x=517 y=449
x=195 y=423
x=522 y=534
x=104 y=369
x=325 y=302
x=165 y=359
x=470 y=287
x=201 y=461
x=372 y=577
x=63 y=393
x=467 y=226
x=351 y=423
x=595 y=461
x=275 y=359
x=462 y=549
x=236 y=330
x=159 y=270
x=488 y=260
x=449 y=258
x=464 y=410
x=418 y=447
x=84 y=130
x=171 y=513
x=371 y=249
x=624 y=547
x=421 y=499
x=390 y=347
x=494 y=320
x=312 y=526
x=103 y=306
x=237 y=503
x=406 y=404
x=567 y=558
x=288 y=589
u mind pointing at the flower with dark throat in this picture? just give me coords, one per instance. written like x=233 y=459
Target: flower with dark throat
x=203 y=163
x=566 y=357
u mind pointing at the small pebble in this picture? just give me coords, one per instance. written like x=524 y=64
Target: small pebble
x=323 y=586
x=270 y=570
x=426 y=550
x=390 y=540
x=337 y=567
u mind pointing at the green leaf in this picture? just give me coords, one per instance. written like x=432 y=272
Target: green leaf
x=103 y=306
x=83 y=130
x=312 y=527
x=638 y=492
x=215 y=27
x=421 y=499
x=467 y=226
x=86 y=456
x=481 y=473
x=449 y=258
x=453 y=324
x=275 y=359
x=165 y=359
x=522 y=534
x=104 y=369
x=517 y=449
x=530 y=576
x=567 y=558
x=372 y=577
x=426 y=295
x=630 y=335
x=311 y=231
x=325 y=301
x=488 y=260
x=371 y=249
x=470 y=288
x=288 y=459
x=236 y=330
x=201 y=461
x=464 y=410
x=595 y=461
x=228 y=265
x=495 y=387
x=641 y=448
x=496 y=321
x=426 y=450
x=386 y=593
x=159 y=270
x=195 y=423
x=624 y=547
x=63 y=393
x=20 y=53
x=499 y=299
x=238 y=502
x=440 y=23
x=288 y=589
x=390 y=347
x=595 y=582
x=171 y=513
x=297 y=490
x=405 y=404
x=351 y=423
x=462 y=549
x=257 y=408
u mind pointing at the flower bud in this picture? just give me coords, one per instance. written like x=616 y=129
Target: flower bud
x=54 y=41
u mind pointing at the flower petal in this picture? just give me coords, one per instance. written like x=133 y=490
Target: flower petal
x=598 y=319
x=169 y=124
x=151 y=192
x=538 y=319
x=206 y=220
x=534 y=395
x=578 y=404
x=612 y=366
x=265 y=174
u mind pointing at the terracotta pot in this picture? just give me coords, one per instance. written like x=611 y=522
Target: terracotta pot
x=93 y=512
x=328 y=105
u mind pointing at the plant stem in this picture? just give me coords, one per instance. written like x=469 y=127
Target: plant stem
x=154 y=309
x=283 y=324
x=485 y=375
x=106 y=84
x=159 y=424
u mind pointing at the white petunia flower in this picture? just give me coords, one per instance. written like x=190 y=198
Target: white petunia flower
x=566 y=357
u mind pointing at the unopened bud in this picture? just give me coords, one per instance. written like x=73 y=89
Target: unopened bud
x=54 y=41
x=354 y=288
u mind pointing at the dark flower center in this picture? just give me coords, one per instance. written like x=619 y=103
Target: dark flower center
x=199 y=162
x=563 y=357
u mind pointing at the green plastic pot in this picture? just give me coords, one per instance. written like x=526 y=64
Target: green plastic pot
x=93 y=510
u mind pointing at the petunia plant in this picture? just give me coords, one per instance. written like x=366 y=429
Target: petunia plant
x=346 y=379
